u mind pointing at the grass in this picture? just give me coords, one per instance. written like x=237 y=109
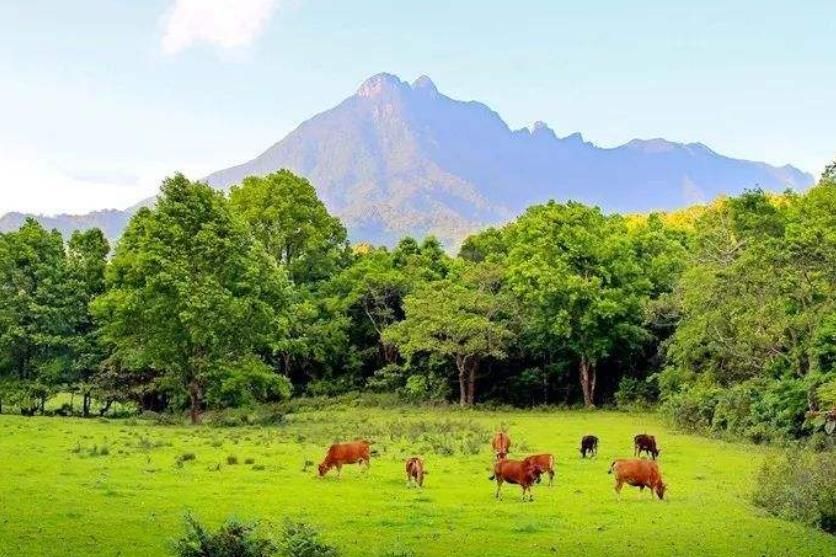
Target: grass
x=57 y=499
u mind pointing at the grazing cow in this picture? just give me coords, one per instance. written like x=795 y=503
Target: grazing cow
x=415 y=471
x=546 y=464
x=638 y=472
x=345 y=453
x=589 y=445
x=645 y=443
x=501 y=444
x=518 y=472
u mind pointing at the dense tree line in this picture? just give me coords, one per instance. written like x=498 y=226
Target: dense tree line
x=723 y=312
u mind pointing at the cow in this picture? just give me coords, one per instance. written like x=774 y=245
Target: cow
x=501 y=444
x=589 y=445
x=645 y=443
x=415 y=471
x=518 y=472
x=638 y=472
x=545 y=462
x=345 y=453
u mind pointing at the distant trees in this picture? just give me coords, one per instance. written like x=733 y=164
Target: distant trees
x=461 y=318
x=726 y=312
x=193 y=296
x=581 y=283
x=286 y=216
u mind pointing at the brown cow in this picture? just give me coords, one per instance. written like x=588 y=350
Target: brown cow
x=415 y=471
x=640 y=473
x=345 y=453
x=501 y=444
x=545 y=462
x=518 y=472
x=589 y=444
x=645 y=443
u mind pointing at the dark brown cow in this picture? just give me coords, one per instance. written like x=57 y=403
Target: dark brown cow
x=415 y=471
x=501 y=444
x=345 y=453
x=518 y=472
x=589 y=445
x=545 y=462
x=645 y=443
x=640 y=473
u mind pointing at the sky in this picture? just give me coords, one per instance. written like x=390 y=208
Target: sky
x=99 y=100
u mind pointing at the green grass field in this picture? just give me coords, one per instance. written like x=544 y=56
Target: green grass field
x=59 y=496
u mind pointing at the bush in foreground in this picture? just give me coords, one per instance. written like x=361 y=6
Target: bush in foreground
x=232 y=539
x=301 y=540
x=801 y=487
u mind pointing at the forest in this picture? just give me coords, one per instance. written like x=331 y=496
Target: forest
x=721 y=315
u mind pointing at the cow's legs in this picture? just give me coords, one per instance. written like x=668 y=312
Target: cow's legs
x=618 y=484
x=498 y=488
x=339 y=469
x=551 y=478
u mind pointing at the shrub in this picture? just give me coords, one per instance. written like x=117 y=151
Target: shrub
x=301 y=540
x=232 y=460
x=636 y=392
x=232 y=539
x=801 y=487
x=692 y=409
x=249 y=461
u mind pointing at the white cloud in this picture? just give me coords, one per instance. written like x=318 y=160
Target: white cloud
x=225 y=23
x=36 y=184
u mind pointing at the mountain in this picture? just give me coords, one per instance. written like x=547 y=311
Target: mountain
x=398 y=158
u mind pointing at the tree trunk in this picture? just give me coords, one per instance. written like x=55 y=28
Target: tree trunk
x=462 y=367
x=588 y=377
x=194 y=397
x=85 y=405
x=471 y=383
x=103 y=410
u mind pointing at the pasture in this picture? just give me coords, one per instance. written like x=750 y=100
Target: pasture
x=121 y=487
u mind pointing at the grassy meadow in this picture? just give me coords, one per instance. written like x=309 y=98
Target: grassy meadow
x=121 y=487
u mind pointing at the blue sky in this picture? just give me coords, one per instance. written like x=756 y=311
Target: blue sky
x=101 y=99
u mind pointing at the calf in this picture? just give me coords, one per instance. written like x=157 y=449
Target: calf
x=645 y=443
x=589 y=445
x=518 y=472
x=546 y=464
x=638 y=472
x=415 y=471
x=501 y=444
x=345 y=453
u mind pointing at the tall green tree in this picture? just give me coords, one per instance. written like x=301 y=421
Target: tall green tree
x=286 y=215
x=86 y=263
x=34 y=313
x=580 y=280
x=460 y=319
x=191 y=294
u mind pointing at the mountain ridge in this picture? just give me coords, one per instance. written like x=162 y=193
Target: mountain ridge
x=397 y=158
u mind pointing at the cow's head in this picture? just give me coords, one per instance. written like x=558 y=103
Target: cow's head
x=323 y=469
x=656 y=453
x=501 y=455
x=660 y=489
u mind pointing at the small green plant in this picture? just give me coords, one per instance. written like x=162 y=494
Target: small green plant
x=249 y=461
x=185 y=457
x=232 y=460
x=800 y=487
x=258 y=467
x=232 y=539
x=301 y=540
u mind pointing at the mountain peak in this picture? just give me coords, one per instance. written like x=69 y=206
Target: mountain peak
x=542 y=129
x=424 y=83
x=380 y=83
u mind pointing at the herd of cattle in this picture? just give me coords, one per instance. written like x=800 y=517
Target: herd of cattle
x=638 y=472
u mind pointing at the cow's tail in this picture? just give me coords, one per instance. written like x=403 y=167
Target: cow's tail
x=492 y=477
